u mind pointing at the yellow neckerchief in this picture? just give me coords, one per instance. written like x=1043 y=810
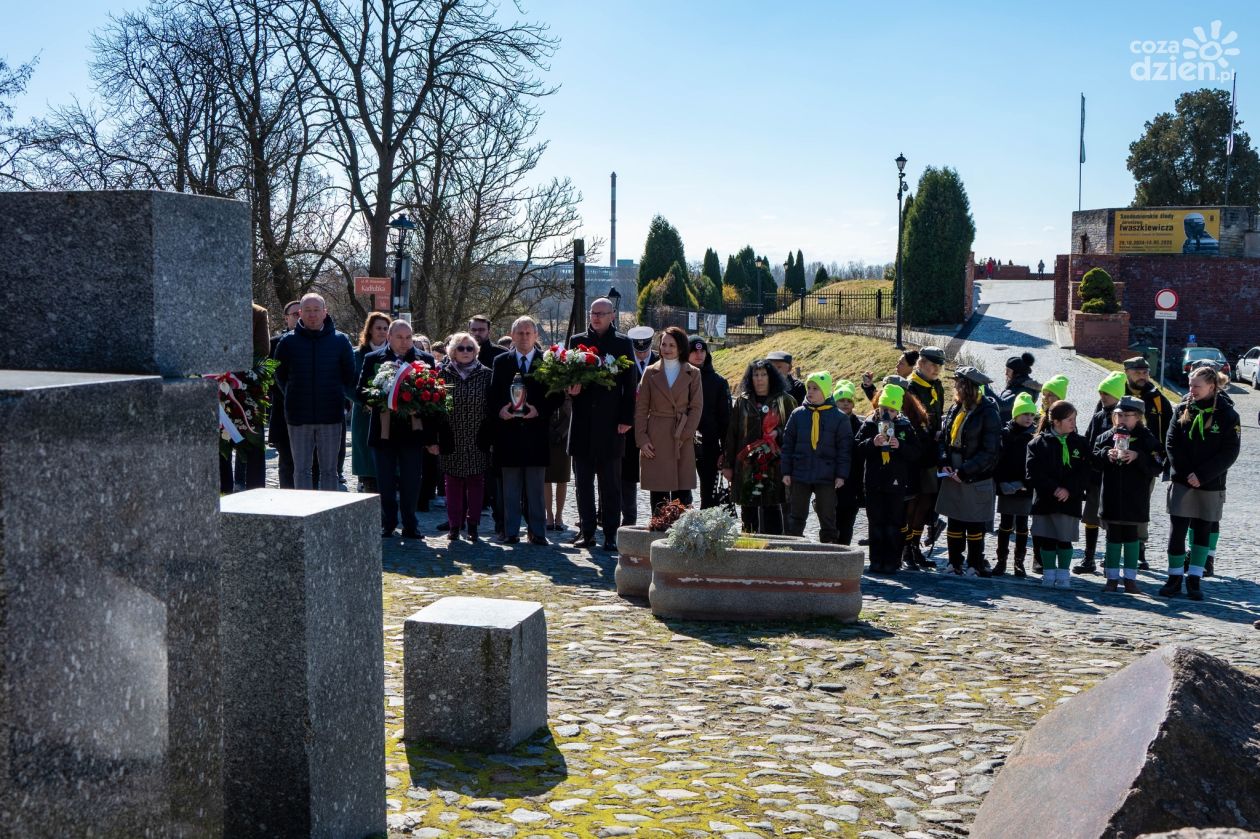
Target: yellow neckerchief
x=922 y=382
x=956 y=429
x=815 y=410
x=1197 y=422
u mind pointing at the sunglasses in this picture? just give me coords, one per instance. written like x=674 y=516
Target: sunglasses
x=465 y=348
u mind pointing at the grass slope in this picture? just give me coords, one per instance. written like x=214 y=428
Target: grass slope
x=844 y=356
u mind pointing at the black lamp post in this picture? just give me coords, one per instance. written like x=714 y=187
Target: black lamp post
x=901 y=284
x=615 y=297
x=400 y=298
x=758 y=264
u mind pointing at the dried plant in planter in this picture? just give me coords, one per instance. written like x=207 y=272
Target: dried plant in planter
x=666 y=515
x=704 y=532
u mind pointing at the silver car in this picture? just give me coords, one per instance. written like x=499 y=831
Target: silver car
x=1248 y=367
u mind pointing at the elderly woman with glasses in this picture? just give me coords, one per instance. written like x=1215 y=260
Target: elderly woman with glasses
x=751 y=451
x=463 y=458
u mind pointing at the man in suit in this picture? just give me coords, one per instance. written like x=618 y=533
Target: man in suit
x=479 y=328
x=641 y=339
x=597 y=431
x=521 y=442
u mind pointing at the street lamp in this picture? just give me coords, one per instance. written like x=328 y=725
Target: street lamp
x=761 y=301
x=400 y=297
x=900 y=293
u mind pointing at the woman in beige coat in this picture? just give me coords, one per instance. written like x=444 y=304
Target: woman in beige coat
x=666 y=416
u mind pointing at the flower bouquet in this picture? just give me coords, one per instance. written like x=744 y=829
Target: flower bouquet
x=407 y=390
x=581 y=365
x=244 y=399
x=759 y=457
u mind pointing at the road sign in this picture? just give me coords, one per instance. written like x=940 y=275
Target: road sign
x=1165 y=314
x=1166 y=299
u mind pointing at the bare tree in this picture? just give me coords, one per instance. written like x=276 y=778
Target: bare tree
x=376 y=65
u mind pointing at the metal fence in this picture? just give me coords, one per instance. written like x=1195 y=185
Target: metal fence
x=822 y=309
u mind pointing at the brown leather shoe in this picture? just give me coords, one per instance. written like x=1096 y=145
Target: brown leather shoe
x=1131 y=586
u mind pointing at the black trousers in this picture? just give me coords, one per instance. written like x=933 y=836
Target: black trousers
x=398 y=481
x=885 y=518
x=430 y=481
x=767 y=520
x=255 y=461
x=607 y=470
x=846 y=515
x=630 y=501
x=707 y=469
x=279 y=439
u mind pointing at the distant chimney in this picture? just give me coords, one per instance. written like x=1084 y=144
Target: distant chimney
x=612 y=245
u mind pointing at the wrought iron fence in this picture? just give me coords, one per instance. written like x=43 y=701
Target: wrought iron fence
x=817 y=310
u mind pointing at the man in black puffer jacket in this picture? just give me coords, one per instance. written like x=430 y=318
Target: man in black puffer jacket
x=316 y=373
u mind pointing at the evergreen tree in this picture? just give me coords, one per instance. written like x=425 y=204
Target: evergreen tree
x=675 y=290
x=735 y=277
x=794 y=273
x=709 y=295
x=939 y=232
x=821 y=278
x=663 y=248
x=712 y=268
x=800 y=272
x=789 y=271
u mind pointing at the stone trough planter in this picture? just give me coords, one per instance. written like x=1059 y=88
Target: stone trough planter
x=781 y=582
x=634 y=564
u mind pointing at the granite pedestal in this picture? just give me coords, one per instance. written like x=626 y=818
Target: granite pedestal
x=135 y=273
x=475 y=673
x=303 y=665
x=109 y=604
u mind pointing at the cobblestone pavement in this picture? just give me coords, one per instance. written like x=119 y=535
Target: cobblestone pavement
x=892 y=727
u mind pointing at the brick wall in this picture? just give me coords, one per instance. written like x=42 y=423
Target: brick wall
x=1220 y=296
x=1061 y=263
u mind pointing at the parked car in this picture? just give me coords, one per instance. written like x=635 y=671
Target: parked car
x=1248 y=367
x=1192 y=354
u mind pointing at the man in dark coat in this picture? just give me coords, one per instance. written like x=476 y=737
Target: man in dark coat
x=398 y=454
x=521 y=442
x=597 y=431
x=641 y=339
x=278 y=433
x=714 y=420
x=316 y=374
x=782 y=362
x=479 y=328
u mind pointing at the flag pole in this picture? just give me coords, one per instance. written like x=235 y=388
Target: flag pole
x=1229 y=144
x=1080 y=167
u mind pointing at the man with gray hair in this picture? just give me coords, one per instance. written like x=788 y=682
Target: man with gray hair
x=316 y=373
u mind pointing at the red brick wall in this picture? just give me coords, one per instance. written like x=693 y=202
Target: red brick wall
x=1100 y=336
x=1220 y=297
x=1061 y=287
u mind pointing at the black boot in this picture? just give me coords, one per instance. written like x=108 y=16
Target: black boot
x=1192 y=588
x=1172 y=587
x=1020 y=573
x=918 y=559
x=1143 y=565
x=1209 y=567
x=1087 y=565
x=1003 y=551
x=999 y=568
x=975 y=558
x=1037 y=568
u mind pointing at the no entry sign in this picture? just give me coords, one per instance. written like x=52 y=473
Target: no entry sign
x=1166 y=299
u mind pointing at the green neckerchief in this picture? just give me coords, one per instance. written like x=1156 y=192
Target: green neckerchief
x=1197 y=422
x=1067 y=458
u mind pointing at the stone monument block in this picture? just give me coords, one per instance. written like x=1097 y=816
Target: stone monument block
x=110 y=714
x=475 y=672
x=1172 y=741
x=121 y=282
x=303 y=665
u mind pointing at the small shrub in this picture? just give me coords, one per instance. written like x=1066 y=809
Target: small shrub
x=1098 y=293
x=666 y=515
x=708 y=532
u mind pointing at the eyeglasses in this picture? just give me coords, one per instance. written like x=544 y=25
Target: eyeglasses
x=465 y=348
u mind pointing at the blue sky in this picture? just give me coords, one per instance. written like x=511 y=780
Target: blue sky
x=776 y=124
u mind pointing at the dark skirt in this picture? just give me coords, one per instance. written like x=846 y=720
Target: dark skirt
x=559 y=467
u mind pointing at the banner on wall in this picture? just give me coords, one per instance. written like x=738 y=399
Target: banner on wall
x=1168 y=230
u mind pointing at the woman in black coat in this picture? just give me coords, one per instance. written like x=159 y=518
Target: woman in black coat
x=1058 y=470
x=971 y=433
x=1018 y=380
x=1203 y=443
x=465 y=455
x=399 y=453
x=1127 y=458
x=715 y=418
